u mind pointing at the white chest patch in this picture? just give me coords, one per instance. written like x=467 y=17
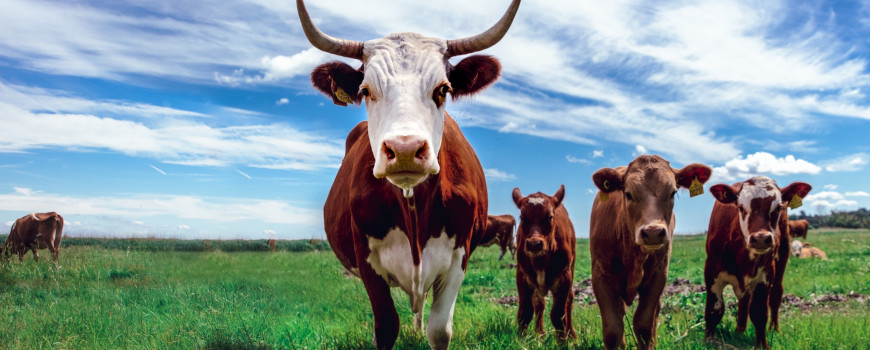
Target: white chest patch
x=752 y=282
x=391 y=258
x=719 y=283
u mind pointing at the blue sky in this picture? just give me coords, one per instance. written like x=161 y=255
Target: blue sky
x=195 y=119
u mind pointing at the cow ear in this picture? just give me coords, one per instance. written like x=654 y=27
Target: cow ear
x=608 y=179
x=724 y=193
x=687 y=174
x=517 y=197
x=559 y=196
x=339 y=81
x=800 y=189
x=472 y=74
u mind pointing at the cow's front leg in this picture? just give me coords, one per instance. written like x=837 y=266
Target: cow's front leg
x=646 y=316
x=35 y=254
x=758 y=314
x=418 y=317
x=612 y=310
x=560 y=313
x=525 y=312
x=383 y=308
x=439 y=328
x=743 y=312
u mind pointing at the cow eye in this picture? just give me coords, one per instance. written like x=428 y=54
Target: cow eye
x=443 y=90
x=673 y=194
x=551 y=218
x=365 y=92
x=628 y=196
x=740 y=208
x=440 y=94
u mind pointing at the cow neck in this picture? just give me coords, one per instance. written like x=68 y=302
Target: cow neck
x=411 y=224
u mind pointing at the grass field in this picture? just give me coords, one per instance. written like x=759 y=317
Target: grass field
x=145 y=299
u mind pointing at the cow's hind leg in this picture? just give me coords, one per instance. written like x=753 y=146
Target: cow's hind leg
x=439 y=327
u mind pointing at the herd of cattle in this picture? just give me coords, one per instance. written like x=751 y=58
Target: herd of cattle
x=409 y=205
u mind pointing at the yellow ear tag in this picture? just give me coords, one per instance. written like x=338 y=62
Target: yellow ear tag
x=343 y=96
x=696 y=188
x=795 y=202
x=603 y=195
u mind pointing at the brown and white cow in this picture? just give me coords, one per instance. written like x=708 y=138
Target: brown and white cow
x=500 y=229
x=748 y=227
x=630 y=235
x=545 y=263
x=798 y=228
x=409 y=202
x=806 y=250
x=32 y=232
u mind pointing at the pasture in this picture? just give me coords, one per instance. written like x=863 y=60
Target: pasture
x=135 y=297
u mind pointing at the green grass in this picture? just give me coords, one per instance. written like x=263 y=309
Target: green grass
x=143 y=298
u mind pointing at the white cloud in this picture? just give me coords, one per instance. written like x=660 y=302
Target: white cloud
x=9 y=223
x=138 y=222
x=243 y=174
x=830 y=205
x=854 y=162
x=277 y=68
x=858 y=194
x=183 y=227
x=762 y=163
x=638 y=150
x=282 y=101
x=269 y=232
x=498 y=175
x=597 y=153
x=573 y=159
x=824 y=196
x=831 y=187
x=23 y=190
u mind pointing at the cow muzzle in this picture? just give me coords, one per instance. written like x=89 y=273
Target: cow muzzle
x=535 y=246
x=653 y=237
x=761 y=242
x=407 y=161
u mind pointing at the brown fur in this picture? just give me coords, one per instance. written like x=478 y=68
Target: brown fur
x=798 y=228
x=500 y=229
x=360 y=206
x=812 y=252
x=32 y=234
x=622 y=268
x=548 y=270
x=727 y=251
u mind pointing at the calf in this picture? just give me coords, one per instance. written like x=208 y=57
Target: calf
x=545 y=263
x=500 y=229
x=630 y=235
x=33 y=232
x=798 y=228
x=804 y=250
x=747 y=226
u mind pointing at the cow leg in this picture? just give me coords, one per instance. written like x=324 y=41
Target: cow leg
x=383 y=308
x=560 y=313
x=715 y=307
x=539 y=302
x=418 y=317
x=503 y=250
x=612 y=310
x=647 y=314
x=439 y=328
x=758 y=314
x=743 y=312
x=777 y=289
x=35 y=254
x=525 y=312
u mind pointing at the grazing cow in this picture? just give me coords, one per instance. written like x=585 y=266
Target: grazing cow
x=409 y=202
x=33 y=232
x=630 y=235
x=744 y=240
x=805 y=250
x=500 y=229
x=798 y=228
x=545 y=263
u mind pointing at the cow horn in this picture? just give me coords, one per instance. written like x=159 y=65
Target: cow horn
x=486 y=39
x=341 y=47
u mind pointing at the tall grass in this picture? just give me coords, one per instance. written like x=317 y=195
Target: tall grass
x=113 y=295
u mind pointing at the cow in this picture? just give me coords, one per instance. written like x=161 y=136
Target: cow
x=806 y=250
x=500 y=229
x=545 y=263
x=409 y=201
x=630 y=233
x=33 y=232
x=798 y=228
x=748 y=227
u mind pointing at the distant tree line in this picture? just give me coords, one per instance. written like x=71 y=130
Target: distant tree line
x=847 y=219
x=195 y=245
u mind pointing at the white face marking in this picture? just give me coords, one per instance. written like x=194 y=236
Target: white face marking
x=757 y=190
x=401 y=72
x=796 y=247
x=537 y=200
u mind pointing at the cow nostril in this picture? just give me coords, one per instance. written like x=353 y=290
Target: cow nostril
x=753 y=239
x=389 y=152
x=643 y=234
x=662 y=234
x=768 y=240
x=422 y=152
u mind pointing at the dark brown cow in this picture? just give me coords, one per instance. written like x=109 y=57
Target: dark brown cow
x=409 y=202
x=798 y=228
x=33 y=232
x=630 y=235
x=545 y=263
x=748 y=227
x=500 y=229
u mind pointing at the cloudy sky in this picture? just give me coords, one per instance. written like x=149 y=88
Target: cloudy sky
x=194 y=119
